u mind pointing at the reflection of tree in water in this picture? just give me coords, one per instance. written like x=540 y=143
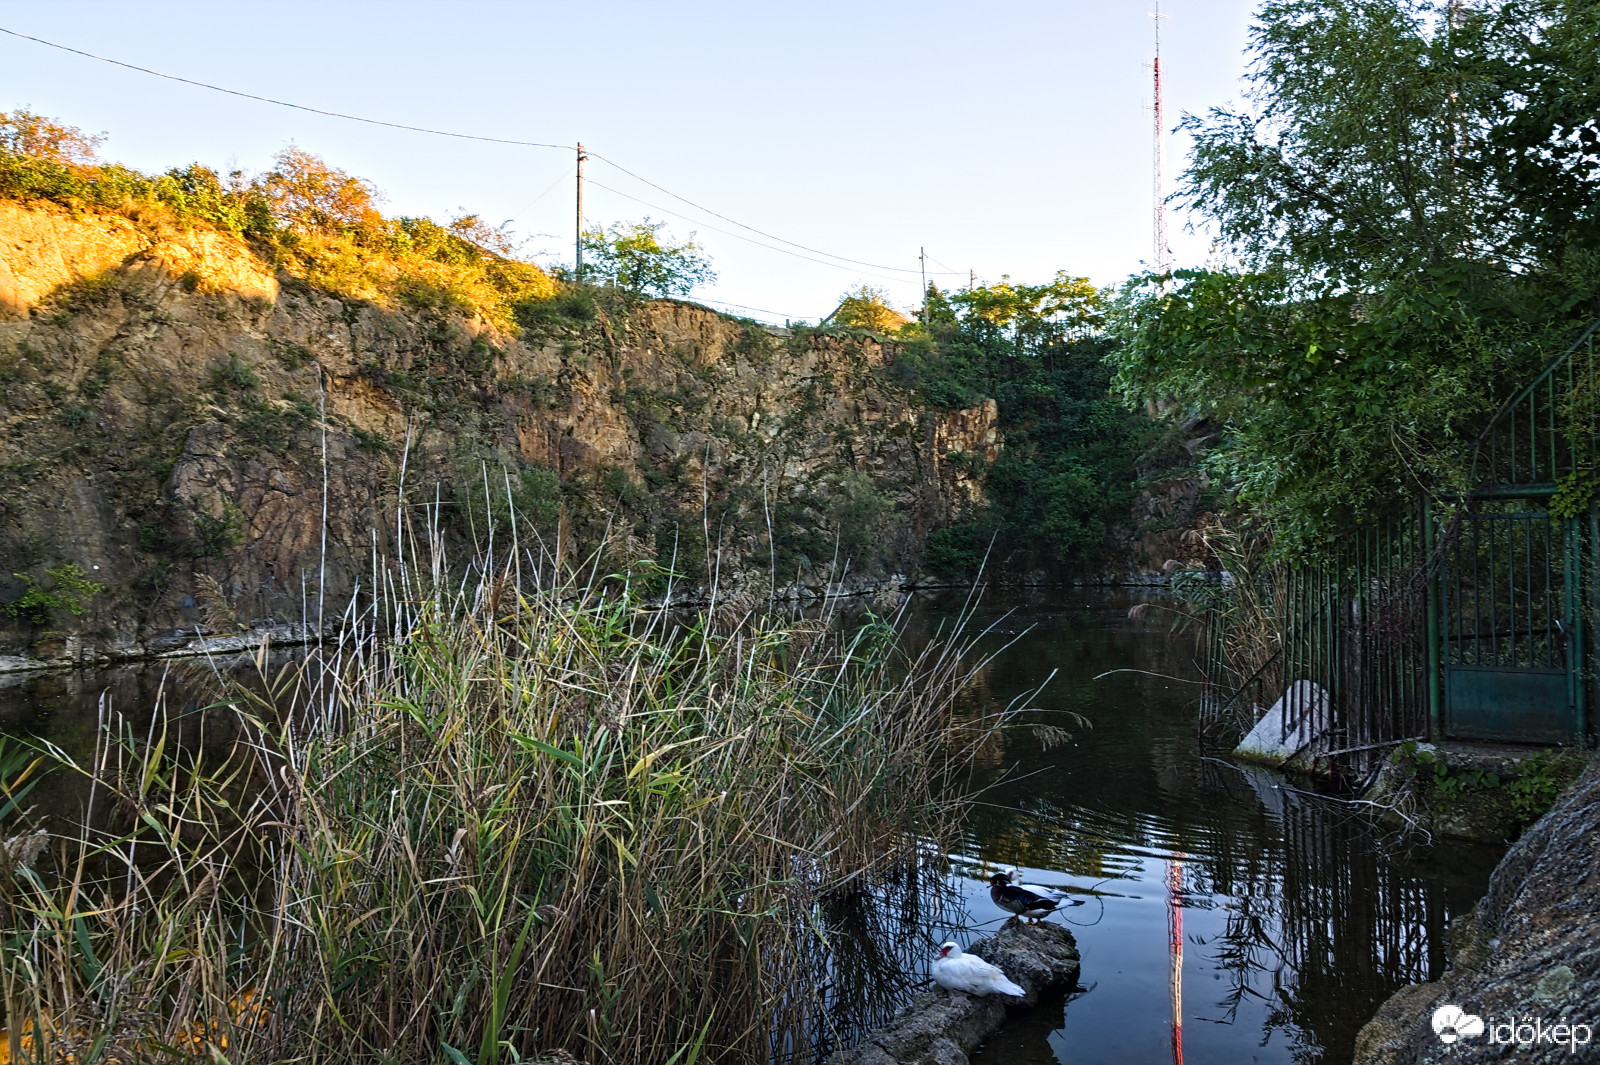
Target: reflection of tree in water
x=1323 y=925
x=1246 y=951
x=873 y=948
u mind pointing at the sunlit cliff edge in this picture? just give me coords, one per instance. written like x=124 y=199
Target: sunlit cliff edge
x=169 y=394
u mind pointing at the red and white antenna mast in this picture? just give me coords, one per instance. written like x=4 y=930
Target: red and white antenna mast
x=1162 y=259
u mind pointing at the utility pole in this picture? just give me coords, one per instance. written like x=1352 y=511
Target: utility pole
x=1160 y=260
x=577 y=243
x=923 y=258
x=972 y=280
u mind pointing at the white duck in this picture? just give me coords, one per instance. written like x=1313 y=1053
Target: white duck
x=964 y=972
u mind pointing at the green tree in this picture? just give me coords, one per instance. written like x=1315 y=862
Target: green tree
x=306 y=193
x=1407 y=255
x=1065 y=475
x=24 y=133
x=638 y=258
x=68 y=592
x=867 y=307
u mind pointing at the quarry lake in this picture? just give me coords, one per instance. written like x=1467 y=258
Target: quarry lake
x=1267 y=921
x=1271 y=922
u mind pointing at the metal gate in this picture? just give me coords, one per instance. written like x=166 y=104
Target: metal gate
x=1513 y=628
x=1466 y=614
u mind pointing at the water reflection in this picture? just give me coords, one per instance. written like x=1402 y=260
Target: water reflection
x=1287 y=914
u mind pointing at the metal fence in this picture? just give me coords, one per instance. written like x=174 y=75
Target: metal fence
x=1356 y=627
x=1465 y=615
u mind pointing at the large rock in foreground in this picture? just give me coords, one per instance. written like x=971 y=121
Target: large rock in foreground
x=940 y=1027
x=1527 y=962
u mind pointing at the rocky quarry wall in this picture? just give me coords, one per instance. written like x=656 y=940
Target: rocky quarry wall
x=188 y=427
x=1525 y=965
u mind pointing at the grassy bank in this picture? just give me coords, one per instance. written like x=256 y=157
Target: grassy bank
x=502 y=818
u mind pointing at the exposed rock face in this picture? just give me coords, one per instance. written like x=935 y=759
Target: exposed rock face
x=941 y=1027
x=170 y=407
x=1529 y=953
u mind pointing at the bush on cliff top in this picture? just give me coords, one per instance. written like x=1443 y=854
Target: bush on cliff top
x=314 y=221
x=1065 y=478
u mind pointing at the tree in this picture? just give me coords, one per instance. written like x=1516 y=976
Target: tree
x=1414 y=234
x=867 y=307
x=1062 y=480
x=24 y=133
x=306 y=193
x=637 y=258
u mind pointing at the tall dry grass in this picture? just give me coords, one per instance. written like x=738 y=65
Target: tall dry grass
x=497 y=819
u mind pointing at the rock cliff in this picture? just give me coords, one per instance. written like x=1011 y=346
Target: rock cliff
x=188 y=426
x=1525 y=964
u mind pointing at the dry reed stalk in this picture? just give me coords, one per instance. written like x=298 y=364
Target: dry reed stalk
x=498 y=817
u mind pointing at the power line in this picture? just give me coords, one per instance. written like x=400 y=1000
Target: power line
x=724 y=303
x=488 y=140
x=735 y=236
x=539 y=197
x=741 y=225
x=284 y=103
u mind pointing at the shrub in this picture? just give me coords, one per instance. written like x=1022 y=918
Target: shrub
x=231 y=374
x=215 y=534
x=68 y=592
x=855 y=509
x=496 y=494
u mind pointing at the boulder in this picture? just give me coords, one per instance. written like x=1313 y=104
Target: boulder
x=1299 y=718
x=940 y=1027
x=1528 y=956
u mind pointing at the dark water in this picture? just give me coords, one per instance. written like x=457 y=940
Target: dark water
x=1298 y=916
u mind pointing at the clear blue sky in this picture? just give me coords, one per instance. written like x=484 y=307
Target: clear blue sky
x=1007 y=137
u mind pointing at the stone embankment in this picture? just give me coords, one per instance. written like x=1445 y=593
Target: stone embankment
x=1526 y=962
x=941 y=1027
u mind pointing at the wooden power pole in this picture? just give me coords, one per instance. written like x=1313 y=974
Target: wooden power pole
x=577 y=243
x=923 y=258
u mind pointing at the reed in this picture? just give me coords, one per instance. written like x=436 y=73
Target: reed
x=497 y=819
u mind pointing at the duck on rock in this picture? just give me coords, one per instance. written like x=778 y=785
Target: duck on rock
x=1026 y=900
x=964 y=972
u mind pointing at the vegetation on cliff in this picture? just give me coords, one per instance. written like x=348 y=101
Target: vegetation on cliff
x=1071 y=466
x=215 y=392
x=314 y=221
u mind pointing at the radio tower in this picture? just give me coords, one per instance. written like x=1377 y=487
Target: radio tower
x=1162 y=258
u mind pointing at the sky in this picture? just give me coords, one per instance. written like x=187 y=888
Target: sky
x=1012 y=137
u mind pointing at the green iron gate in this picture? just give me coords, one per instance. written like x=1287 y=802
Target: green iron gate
x=1513 y=635
x=1471 y=615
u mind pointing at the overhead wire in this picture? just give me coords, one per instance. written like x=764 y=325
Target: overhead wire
x=284 y=103
x=539 y=197
x=738 y=236
x=725 y=303
x=507 y=141
x=741 y=225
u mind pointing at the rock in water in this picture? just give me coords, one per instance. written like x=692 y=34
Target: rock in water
x=940 y=1027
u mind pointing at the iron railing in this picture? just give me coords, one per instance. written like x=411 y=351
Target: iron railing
x=1388 y=625
x=1546 y=432
x=1355 y=627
